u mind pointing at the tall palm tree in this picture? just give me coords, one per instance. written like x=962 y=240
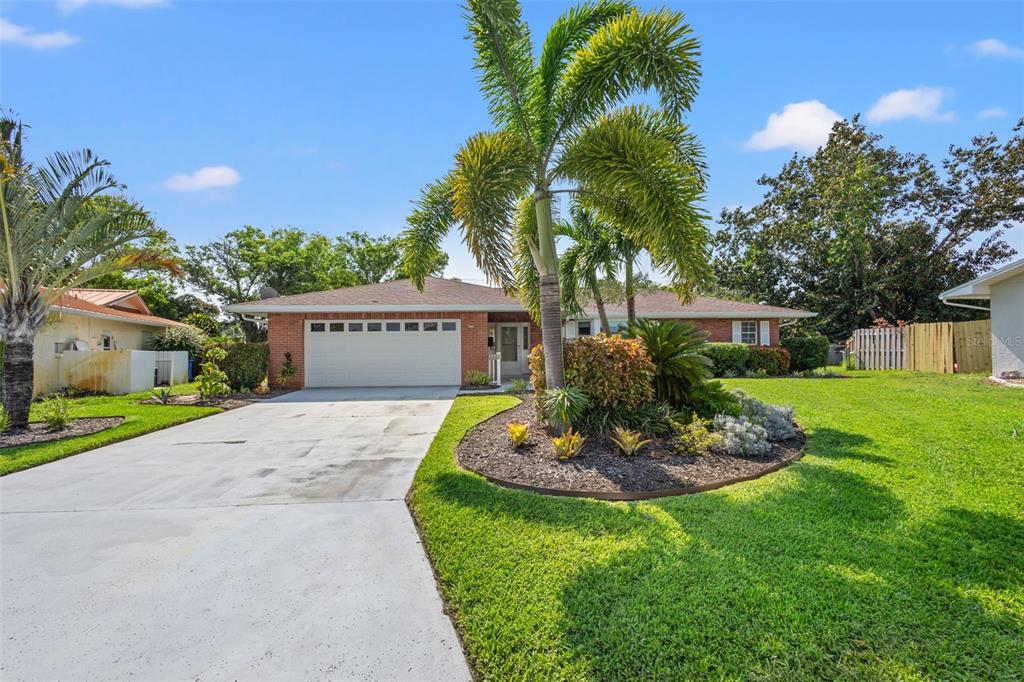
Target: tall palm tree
x=590 y=257
x=562 y=125
x=56 y=233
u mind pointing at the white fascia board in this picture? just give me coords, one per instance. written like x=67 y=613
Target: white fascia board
x=731 y=315
x=256 y=308
x=980 y=288
x=102 y=316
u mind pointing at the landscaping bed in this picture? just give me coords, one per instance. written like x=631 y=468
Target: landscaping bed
x=600 y=470
x=225 y=402
x=41 y=433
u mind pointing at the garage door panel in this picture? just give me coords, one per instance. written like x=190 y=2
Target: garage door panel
x=402 y=352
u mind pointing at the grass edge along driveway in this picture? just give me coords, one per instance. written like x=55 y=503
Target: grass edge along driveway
x=893 y=550
x=139 y=419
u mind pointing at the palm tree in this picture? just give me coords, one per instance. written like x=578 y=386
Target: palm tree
x=562 y=125
x=583 y=263
x=56 y=232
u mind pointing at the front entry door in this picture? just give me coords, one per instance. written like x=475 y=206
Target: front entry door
x=512 y=344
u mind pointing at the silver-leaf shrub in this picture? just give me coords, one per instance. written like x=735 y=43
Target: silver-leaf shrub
x=740 y=437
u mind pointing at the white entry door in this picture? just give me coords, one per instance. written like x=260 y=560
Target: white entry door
x=514 y=346
x=383 y=353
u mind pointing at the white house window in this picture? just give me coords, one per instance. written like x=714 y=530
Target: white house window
x=748 y=332
x=583 y=328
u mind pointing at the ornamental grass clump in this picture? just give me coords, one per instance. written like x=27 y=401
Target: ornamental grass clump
x=740 y=437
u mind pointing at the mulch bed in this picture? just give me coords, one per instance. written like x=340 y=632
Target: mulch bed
x=599 y=470
x=41 y=433
x=227 y=402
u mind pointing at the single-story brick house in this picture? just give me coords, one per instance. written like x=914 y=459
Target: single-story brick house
x=392 y=334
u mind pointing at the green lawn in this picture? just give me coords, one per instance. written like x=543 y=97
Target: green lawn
x=893 y=550
x=138 y=419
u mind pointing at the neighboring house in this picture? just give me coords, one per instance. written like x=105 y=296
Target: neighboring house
x=85 y=322
x=391 y=334
x=1003 y=289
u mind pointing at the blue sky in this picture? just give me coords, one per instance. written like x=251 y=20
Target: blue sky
x=330 y=116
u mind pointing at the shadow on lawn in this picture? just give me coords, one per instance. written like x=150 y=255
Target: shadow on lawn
x=820 y=576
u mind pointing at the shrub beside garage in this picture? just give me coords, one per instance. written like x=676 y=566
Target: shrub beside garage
x=245 y=364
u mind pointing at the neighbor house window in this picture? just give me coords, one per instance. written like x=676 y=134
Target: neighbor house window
x=337 y=326
x=108 y=341
x=583 y=328
x=393 y=326
x=748 y=332
x=316 y=326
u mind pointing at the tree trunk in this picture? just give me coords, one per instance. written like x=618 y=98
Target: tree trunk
x=595 y=289
x=630 y=293
x=550 y=298
x=17 y=382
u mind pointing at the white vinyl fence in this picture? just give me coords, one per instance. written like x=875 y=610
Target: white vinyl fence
x=122 y=371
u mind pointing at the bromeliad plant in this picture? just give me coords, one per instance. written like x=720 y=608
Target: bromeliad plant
x=629 y=442
x=568 y=445
x=58 y=230
x=562 y=125
x=518 y=432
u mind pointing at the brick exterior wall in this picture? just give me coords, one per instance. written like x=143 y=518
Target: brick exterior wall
x=721 y=330
x=285 y=333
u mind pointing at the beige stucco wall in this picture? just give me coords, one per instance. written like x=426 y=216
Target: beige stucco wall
x=1007 y=305
x=64 y=327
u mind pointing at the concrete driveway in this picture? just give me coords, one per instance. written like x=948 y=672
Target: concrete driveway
x=270 y=542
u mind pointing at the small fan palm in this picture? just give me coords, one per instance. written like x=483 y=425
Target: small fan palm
x=675 y=348
x=562 y=125
x=57 y=232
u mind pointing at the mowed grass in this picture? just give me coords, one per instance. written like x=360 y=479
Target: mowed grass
x=138 y=419
x=893 y=550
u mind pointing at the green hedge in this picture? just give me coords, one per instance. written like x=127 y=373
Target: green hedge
x=772 y=359
x=727 y=358
x=737 y=359
x=806 y=352
x=246 y=363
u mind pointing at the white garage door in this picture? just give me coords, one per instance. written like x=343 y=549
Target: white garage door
x=383 y=353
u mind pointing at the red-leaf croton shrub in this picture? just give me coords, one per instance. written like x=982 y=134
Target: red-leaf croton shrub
x=772 y=359
x=611 y=370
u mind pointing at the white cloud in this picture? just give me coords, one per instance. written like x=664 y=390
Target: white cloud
x=71 y=5
x=922 y=103
x=993 y=47
x=27 y=37
x=207 y=177
x=801 y=125
x=992 y=112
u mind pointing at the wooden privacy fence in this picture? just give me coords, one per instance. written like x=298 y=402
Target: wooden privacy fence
x=928 y=347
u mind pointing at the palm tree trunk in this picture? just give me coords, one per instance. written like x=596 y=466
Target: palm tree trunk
x=630 y=292
x=595 y=290
x=550 y=297
x=17 y=382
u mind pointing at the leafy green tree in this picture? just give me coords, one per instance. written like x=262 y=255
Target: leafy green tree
x=55 y=235
x=379 y=259
x=858 y=231
x=562 y=125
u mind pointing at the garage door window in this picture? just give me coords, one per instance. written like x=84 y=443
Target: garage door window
x=412 y=326
x=447 y=326
x=355 y=326
x=430 y=326
x=373 y=326
x=316 y=327
x=393 y=326
x=337 y=326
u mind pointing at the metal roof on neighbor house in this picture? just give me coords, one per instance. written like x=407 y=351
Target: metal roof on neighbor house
x=447 y=294
x=73 y=304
